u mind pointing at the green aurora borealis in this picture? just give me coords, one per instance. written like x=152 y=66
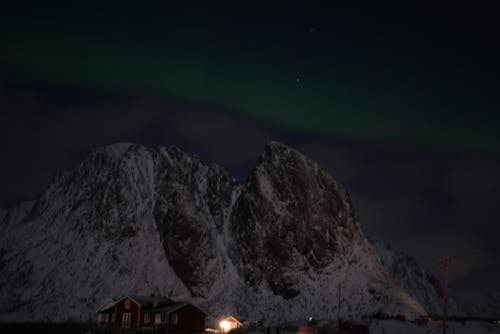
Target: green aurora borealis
x=343 y=91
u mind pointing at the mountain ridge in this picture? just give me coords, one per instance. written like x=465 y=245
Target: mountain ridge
x=131 y=219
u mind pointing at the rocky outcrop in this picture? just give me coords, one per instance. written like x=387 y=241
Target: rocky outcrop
x=131 y=219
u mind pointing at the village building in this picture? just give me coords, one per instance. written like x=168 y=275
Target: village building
x=229 y=323
x=151 y=313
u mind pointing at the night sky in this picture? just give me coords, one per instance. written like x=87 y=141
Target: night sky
x=399 y=104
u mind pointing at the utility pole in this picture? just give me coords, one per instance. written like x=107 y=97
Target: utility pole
x=338 y=311
x=445 y=293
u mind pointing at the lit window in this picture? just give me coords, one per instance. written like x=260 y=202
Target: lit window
x=225 y=326
x=127 y=304
x=173 y=319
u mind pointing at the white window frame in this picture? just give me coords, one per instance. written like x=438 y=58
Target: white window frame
x=127 y=304
x=157 y=318
x=126 y=319
x=146 y=318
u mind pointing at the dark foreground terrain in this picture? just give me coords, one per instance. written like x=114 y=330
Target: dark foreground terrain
x=46 y=327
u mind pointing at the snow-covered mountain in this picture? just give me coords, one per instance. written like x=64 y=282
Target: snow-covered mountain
x=137 y=220
x=410 y=276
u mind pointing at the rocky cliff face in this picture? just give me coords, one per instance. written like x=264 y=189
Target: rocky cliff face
x=134 y=220
x=292 y=217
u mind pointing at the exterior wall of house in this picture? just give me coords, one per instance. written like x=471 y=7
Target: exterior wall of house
x=150 y=316
x=189 y=320
x=106 y=318
x=124 y=313
x=234 y=323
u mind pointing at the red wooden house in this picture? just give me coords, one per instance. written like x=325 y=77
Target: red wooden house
x=155 y=313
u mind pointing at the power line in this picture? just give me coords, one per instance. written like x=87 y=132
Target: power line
x=447 y=260
x=461 y=257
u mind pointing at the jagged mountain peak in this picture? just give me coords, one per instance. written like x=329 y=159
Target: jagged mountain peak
x=279 y=161
x=285 y=175
x=277 y=147
x=132 y=219
x=305 y=219
x=275 y=151
x=123 y=150
x=115 y=151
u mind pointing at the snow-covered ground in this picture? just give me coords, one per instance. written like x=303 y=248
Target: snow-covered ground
x=404 y=327
x=401 y=327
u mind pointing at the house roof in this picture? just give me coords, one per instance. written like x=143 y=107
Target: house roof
x=170 y=307
x=148 y=303
x=108 y=304
x=233 y=319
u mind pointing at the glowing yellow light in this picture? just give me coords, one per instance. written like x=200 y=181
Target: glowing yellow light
x=225 y=325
